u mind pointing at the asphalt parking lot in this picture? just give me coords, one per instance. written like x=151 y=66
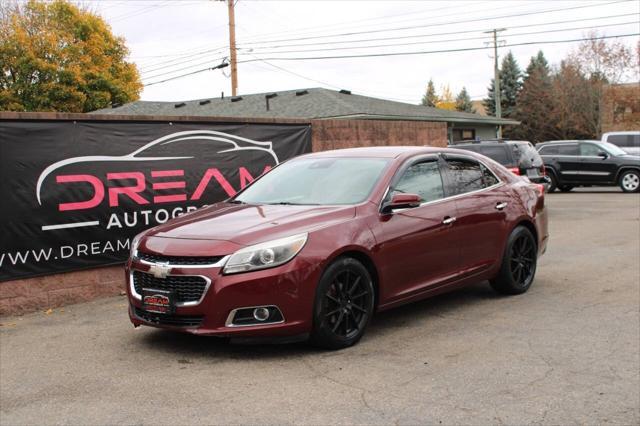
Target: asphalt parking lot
x=568 y=351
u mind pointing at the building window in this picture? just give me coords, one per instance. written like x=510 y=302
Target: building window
x=463 y=134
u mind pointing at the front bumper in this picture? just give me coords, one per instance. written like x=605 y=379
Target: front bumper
x=291 y=287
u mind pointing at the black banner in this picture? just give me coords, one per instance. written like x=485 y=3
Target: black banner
x=73 y=194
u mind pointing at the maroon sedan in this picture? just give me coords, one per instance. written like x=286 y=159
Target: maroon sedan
x=317 y=245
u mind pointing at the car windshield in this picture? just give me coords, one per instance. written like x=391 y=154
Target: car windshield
x=316 y=181
x=612 y=149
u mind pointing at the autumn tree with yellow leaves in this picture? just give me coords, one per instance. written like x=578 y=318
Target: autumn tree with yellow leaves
x=58 y=57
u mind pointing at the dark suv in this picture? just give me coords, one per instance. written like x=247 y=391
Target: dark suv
x=520 y=157
x=572 y=163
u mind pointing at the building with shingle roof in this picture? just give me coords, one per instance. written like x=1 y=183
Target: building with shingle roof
x=318 y=103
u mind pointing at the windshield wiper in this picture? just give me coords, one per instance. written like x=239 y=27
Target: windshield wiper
x=236 y=202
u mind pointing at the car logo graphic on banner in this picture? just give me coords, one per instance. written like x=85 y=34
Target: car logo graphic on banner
x=235 y=143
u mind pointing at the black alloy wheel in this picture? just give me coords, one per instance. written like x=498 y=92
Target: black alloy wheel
x=519 y=263
x=344 y=304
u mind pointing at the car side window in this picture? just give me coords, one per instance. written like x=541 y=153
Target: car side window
x=423 y=179
x=568 y=149
x=489 y=179
x=589 y=150
x=548 y=150
x=466 y=176
x=620 y=140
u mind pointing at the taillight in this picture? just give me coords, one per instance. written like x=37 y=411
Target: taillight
x=514 y=170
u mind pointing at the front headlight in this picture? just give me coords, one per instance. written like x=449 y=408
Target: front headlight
x=134 y=244
x=265 y=255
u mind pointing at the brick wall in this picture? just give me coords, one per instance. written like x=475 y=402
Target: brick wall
x=51 y=291
x=337 y=134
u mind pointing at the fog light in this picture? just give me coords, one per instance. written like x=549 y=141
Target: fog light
x=261 y=314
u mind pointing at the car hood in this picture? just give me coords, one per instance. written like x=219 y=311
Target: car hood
x=247 y=224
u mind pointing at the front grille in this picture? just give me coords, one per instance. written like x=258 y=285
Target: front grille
x=173 y=320
x=185 y=288
x=179 y=260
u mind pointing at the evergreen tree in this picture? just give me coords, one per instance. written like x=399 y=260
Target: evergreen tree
x=463 y=101
x=510 y=85
x=535 y=104
x=430 y=98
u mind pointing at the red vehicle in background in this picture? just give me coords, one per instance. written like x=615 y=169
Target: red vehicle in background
x=316 y=246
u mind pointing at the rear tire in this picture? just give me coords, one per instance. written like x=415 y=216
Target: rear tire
x=630 y=181
x=519 y=263
x=566 y=188
x=344 y=304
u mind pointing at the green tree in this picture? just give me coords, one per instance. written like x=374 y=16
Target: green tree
x=430 y=98
x=510 y=85
x=57 y=57
x=463 y=101
x=535 y=103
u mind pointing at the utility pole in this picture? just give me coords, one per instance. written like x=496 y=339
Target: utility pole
x=232 y=48
x=496 y=76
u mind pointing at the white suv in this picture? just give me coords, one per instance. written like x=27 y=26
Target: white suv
x=628 y=141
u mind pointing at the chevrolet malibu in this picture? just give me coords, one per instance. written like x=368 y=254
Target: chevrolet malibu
x=316 y=246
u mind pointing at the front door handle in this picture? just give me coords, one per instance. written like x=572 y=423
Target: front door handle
x=448 y=220
x=501 y=206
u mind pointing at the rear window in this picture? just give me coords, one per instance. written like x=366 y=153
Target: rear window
x=496 y=153
x=526 y=155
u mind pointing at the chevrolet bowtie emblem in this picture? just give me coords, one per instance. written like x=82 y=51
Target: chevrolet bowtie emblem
x=160 y=270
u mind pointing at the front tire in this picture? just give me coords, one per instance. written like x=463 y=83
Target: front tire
x=566 y=188
x=519 y=263
x=630 y=181
x=344 y=304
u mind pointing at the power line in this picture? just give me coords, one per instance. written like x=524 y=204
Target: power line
x=371 y=55
x=197 y=55
x=443 y=41
x=348 y=24
x=599 y=18
x=404 y=53
x=182 y=69
x=517 y=15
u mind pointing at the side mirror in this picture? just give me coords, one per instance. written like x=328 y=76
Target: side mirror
x=603 y=154
x=401 y=201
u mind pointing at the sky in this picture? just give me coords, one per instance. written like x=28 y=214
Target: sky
x=169 y=38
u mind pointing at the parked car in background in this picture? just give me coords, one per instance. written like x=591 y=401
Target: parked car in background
x=627 y=141
x=519 y=157
x=571 y=163
x=314 y=247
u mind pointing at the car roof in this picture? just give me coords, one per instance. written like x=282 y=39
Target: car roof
x=568 y=141
x=387 y=152
x=623 y=132
x=377 y=151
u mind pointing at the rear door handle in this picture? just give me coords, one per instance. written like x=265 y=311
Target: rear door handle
x=501 y=206
x=448 y=220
